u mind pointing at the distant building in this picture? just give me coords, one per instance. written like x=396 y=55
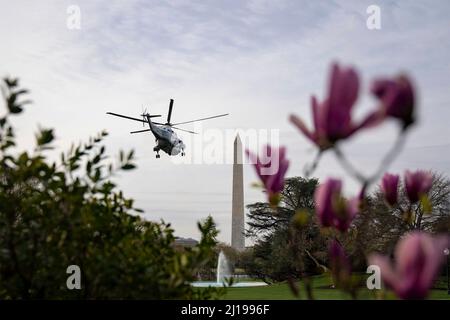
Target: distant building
x=185 y=242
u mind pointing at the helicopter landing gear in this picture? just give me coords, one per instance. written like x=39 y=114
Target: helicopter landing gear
x=183 y=153
x=158 y=156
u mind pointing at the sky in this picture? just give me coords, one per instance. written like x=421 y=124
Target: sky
x=259 y=61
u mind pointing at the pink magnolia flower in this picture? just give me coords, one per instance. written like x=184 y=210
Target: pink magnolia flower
x=417 y=184
x=397 y=96
x=418 y=257
x=389 y=186
x=339 y=263
x=332 y=209
x=271 y=168
x=332 y=118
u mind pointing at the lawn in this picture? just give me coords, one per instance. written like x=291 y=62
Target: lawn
x=322 y=291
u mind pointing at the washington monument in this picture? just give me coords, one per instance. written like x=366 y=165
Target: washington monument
x=237 y=227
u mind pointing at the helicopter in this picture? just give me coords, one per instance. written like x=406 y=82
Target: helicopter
x=166 y=139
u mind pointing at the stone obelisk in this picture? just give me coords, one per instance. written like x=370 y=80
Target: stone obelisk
x=237 y=224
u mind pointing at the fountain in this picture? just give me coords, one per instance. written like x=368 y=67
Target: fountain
x=223 y=268
x=222 y=274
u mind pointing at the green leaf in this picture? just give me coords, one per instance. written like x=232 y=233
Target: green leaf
x=96 y=159
x=22 y=91
x=300 y=218
x=427 y=206
x=11 y=83
x=97 y=175
x=45 y=136
x=23 y=159
x=88 y=167
x=128 y=166
x=14 y=109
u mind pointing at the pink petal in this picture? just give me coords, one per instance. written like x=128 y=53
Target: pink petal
x=301 y=125
x=353 y=208
x=317 y=117
x=373 y=119
x=434 y=249
x=324 y=200
x=343 y=93
x=426 y=182
x=408 y=252
x=388 y=274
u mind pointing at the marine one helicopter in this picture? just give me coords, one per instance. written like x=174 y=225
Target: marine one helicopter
x=166 y=139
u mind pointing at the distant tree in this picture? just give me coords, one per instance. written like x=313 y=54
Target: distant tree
x=57 y=214
x=379 y=226
x=288 y=242
x=298 y=195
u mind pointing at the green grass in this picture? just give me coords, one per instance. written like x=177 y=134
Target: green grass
x=281 y=291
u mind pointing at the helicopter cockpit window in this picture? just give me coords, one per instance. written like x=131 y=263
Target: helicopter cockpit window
x=165 y=133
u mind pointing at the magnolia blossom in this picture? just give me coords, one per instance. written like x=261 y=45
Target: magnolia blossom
x=389 y=187
x=417 y=184
x=332 y=118
x=339 y=263
x=397 y=97
x=271 y=168
x=418 y=258
x=332 y=209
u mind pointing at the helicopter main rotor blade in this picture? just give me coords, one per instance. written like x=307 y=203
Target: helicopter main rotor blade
x=183 y=130
x=153 y=122
x=169 y=115
x=131 y=118
x=150 y=115
x=126 y=117
x=220 y=115
x=139 y=131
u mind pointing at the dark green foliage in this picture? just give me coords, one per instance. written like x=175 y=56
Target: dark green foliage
x=56 y=214
x=288 y=239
